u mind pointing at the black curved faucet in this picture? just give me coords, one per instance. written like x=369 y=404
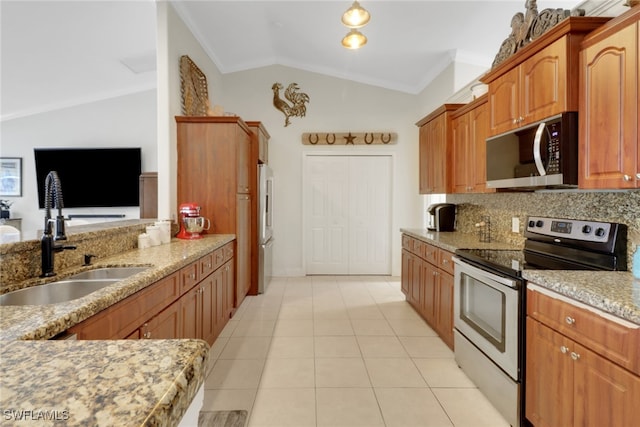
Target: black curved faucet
x=52 y=190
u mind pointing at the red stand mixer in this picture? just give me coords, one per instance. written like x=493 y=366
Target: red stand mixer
x=191 y=223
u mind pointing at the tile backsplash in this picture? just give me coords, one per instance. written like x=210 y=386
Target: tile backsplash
x=622 y=207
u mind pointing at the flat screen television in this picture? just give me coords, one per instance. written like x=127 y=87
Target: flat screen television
x=91 y=177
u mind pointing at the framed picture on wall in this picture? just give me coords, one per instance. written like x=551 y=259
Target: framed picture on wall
x=10 y=176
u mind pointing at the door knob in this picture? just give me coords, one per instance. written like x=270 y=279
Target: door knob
x=570 y=320
x=564 y=349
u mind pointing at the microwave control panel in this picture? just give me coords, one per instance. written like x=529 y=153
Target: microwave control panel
x=553 y=148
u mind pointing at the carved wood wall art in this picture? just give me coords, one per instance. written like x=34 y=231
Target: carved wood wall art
x=528 y=26
x=297 y=108
x=193 y=88
x=349 y=138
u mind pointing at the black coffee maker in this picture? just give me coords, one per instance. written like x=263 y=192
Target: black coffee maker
x=442 y=217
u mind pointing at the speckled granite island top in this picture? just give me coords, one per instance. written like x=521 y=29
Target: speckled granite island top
x=45 y=321
x=99 y=383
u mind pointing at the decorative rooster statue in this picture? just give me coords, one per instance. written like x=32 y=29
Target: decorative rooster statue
x=298 y=99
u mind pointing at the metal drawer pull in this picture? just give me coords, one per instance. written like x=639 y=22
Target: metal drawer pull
x=575 y=356
x=564 y=349
x=626 y=177
x=570 y=320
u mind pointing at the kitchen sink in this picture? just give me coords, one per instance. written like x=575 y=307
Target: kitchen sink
x=55 y=292
x=108 y=273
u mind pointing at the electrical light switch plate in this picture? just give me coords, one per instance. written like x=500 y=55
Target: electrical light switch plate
x=515 y=224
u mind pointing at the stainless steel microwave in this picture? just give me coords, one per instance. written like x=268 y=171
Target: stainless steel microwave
x=543 y=154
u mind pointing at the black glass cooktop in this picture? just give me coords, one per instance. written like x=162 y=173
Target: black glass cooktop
x=508 y=261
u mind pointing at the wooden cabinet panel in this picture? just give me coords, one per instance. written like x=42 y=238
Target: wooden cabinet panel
x=609 y=113
x=444 y=304
x=149 y=195
x=165 y=325
x=209 y=301
x=427 y=282
x=123 y=318
x=189 y=276
x=504 y=98
x=612 y=339
x=262 y=138
x=217 y=166
x=549 y=382
x=191 y=313
x=244 y=253
x=435 y=149
x=605 y=394
x=228 y=281
x=572 y=377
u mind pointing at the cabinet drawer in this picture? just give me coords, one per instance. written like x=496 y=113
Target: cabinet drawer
x=445 y=260
x=407 y=242
x=121 y=319
x=430 y=253
x=188 y=277
x=207 y=264
x=219 y=258
x=616 y=340
x=228 y=251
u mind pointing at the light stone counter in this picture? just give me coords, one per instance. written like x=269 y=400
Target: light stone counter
x=614 y=292
x=110 y=383
x=99 y=383
x=452 y=240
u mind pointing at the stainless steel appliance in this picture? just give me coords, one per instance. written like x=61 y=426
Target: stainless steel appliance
x=265 y=226
x=489 y=299
x=543 y=154
x=442 y=217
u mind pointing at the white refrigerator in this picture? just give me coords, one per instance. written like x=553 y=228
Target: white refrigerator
x=265 y=226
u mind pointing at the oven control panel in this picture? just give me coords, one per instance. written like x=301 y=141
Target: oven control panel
x=592 y=231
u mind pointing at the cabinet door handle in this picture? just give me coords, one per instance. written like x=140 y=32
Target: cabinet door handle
x=638 y=176
x=564 y=349
x=626 y=177
x=570 y=320
x=574 y=355
x=192 y=276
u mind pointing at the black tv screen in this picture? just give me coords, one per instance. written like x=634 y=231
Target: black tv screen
x=91 y=177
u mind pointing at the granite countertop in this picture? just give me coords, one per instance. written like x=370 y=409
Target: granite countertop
x=119 y=382
x=100 y=383
x=613 y=292
x=452 y=240
x=45 y=321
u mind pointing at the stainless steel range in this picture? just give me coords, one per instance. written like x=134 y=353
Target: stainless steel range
x=489 y=299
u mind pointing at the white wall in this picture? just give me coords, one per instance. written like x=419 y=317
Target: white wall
x=125 y=121
x=335 y=105
x=174 y=40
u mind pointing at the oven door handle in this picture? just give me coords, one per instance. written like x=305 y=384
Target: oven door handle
x=478 y=272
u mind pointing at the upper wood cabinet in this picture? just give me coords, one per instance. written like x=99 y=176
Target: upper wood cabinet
x=262 y=137
x=470 y=131
x=435 y=150
x=540 y=80
x=609 y=113
x=217 y=169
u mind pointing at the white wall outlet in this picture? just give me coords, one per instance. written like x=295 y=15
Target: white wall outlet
x=515 y=224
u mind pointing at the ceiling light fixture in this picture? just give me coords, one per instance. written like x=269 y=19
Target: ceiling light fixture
x=354 y=40
x=356 y=16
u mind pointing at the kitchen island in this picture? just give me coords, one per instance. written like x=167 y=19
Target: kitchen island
x=110 y=382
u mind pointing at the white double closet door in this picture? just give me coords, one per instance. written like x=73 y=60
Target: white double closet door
x=347 y=211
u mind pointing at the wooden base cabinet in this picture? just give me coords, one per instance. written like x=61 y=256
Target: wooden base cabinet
x=570 y=379
x=609 y=113
x=427 y=282
x=194 y=302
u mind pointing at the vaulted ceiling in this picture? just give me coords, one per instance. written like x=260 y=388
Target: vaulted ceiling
x=61 y=53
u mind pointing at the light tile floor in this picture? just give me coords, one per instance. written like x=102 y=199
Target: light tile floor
x=339 y=351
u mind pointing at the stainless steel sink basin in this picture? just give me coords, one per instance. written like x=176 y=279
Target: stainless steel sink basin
x=55 y=292
x=108 y=273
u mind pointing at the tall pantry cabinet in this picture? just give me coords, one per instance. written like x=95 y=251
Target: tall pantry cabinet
x=214 y=164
